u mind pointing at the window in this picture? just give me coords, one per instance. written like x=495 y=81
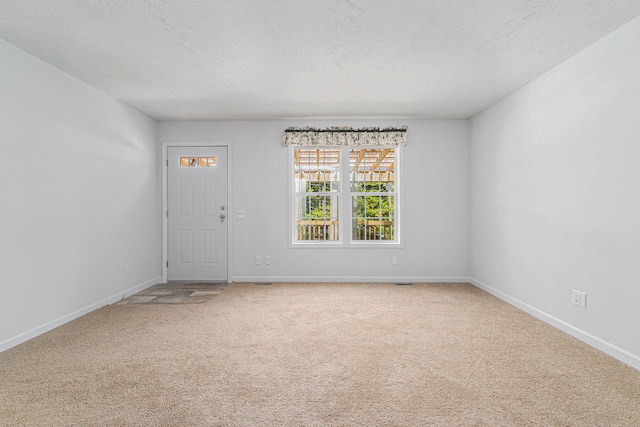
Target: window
x=373 y=194
x=367 y=197
x=317 y=194
x=195 y=162
x=344 y=185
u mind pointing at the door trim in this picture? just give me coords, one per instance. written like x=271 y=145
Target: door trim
x=165 y=195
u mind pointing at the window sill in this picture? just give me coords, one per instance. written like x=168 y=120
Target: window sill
x=343 y=245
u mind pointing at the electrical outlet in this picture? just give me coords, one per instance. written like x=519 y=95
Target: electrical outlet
x=267 y=260
x=579 y=298
x=394 y=260
x=240 y=214
x=258 y=260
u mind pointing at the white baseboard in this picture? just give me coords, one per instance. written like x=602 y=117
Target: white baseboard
x=349 y=279
x=610 y=349
x=32 y=333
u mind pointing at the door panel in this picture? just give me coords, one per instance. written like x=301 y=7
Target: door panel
x=186 y=197
x=209 y=196
x=186 y=245
x=209 y=247
x=197 y=207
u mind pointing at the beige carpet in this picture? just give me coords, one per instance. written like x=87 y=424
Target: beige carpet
x=316 y=355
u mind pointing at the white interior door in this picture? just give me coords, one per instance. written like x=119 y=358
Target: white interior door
x=197 y=213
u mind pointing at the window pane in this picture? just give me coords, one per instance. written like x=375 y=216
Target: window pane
x=317 y=170
x=317 y=218
x=372 y=170
x=373 y=218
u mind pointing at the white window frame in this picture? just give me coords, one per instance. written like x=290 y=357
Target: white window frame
x=293 y=194
x=345 y=195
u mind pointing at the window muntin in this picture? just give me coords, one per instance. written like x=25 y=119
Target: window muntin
x=317 y=194
x=373 y=194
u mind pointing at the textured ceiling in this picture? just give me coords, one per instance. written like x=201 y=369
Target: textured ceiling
x=262 y=59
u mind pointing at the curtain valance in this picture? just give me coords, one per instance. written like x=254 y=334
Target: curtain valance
x=345 y=136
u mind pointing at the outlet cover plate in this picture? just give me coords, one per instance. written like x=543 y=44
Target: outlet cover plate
x=579 y=298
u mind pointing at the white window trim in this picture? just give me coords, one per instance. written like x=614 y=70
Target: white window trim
x=345 y=205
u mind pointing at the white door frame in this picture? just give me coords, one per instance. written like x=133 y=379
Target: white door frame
x=165 y=195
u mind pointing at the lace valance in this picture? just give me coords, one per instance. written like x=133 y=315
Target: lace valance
x=344 y=136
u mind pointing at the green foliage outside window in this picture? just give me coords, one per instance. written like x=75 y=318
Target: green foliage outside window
x=318 y=207
x=379 y=207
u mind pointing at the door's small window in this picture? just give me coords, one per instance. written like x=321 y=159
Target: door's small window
x=195 y=162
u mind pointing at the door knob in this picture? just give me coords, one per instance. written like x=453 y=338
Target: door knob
x=222 y=217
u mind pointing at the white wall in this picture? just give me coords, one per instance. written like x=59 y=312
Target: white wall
x=435 y=163
x=79 y=198
x=555 y=195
